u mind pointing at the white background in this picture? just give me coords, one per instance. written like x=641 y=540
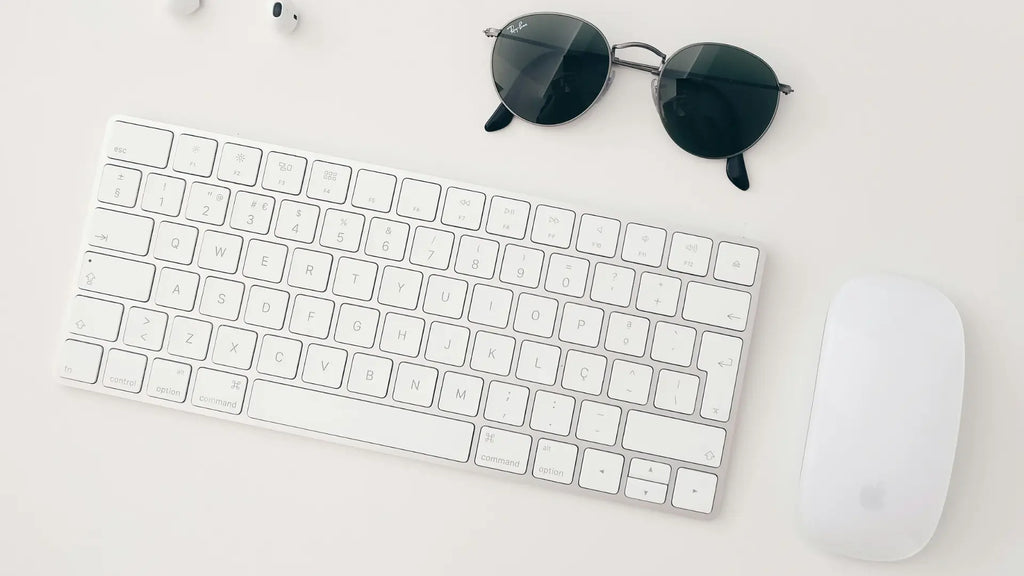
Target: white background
x=899 y=151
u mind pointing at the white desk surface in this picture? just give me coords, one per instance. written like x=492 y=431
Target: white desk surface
x=896 y=153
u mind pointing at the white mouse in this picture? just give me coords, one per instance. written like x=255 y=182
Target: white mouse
x=885 y=419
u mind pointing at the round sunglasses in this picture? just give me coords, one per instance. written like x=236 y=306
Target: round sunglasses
x=715 y=100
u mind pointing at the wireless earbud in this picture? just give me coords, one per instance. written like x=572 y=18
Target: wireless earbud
x=285 y=17
x=184 y=7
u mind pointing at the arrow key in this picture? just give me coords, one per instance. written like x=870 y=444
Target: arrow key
x=649 y=470
x=601 y=471
x=647 y=491
x=145 y=329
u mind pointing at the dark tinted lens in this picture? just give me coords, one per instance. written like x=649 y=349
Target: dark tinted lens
x=549 y=68
x=716 y=101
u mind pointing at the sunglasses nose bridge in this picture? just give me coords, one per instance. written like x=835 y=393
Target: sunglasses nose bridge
x=656 y=70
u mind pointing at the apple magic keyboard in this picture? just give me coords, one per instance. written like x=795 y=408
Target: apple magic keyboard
x=523 y=337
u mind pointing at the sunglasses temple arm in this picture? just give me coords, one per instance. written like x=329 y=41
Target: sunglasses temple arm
x=736 y=170
x=502 y=117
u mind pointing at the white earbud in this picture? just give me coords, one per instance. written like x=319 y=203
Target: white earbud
x=285 y=17
x=184 y=7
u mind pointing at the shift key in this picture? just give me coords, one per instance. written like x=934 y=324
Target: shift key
x=116 y=276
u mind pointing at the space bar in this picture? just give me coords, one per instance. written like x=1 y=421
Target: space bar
x=360 y=420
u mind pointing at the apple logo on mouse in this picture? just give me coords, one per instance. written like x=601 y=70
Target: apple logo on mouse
x=872 y=496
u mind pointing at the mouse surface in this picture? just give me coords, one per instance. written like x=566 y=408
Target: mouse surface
x=884 y=421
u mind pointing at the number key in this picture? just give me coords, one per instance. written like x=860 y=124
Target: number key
x=432 y=248
x=386 y=239
x=297 y=221
x=252 y=212
x=342 y=230
x=207 y=203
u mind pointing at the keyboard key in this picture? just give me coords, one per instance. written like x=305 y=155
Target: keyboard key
x=716 y=306
x=279 y=356
x=720 y=358
x=601 y=471
x=139 y=144
x=297 y=221
x=175 y=243
x=694 y=490
x=329 y=182
x=463 y=209
x=189 y=338
x=220 y=391
x=736 y=263
x=234 y=347
x=673 y=344
x=538 y=363
x=239 y=164
x=690 y=254
x=445 y=296
x=145 y=329
x=124 y=371
x=177 y=289
x=676 y=392
x=552 y=413
x=535 y=315
x=80 y=361
x=506 y=403
x=581 y=325
x=508 y=217
x=207 y=204
x=649 y=470
x=220 y=252
x=264 y=261
x=414 y=384
x=374 y=191
x=447 y=344
x=310 y=270
x=627 y=334
x=598 y=235
x=342 y=230
x=567 y=275
x=553 y=226
x=355 y=278
x=643 y=245
x=584 y=372
x=460 y=394
x=598 y=423
x=119 y=185
x=675 y=439
x=630 y=382
x=168 y=380
x=555 y=461
x=432 y=248
x=221 y=298
x=311 y=316
x=492 y=353
x=163 y=195
x=652 y=492
x=502 y=450
x=658 y=294
x=266 y=307
x=95 y=318
x=252 y=212
x=195 y=155
x=612 y=284
x=490 y=306
x=369 y=375
x=419 y=199
x=357 y=325
x=522 y=266
x=116 y=276
x=401 y=335
x=284 y=173
x=477 y=257
x=363 y=421
x=324 y=365
x=387 y=239
x=120 y=232
x=400 y=288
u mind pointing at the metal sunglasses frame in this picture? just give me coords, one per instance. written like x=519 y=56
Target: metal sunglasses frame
x=735 y=167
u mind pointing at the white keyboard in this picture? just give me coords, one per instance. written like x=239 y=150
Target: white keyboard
x=412 y=314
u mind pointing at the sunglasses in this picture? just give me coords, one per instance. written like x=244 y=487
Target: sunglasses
x=715 y=100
